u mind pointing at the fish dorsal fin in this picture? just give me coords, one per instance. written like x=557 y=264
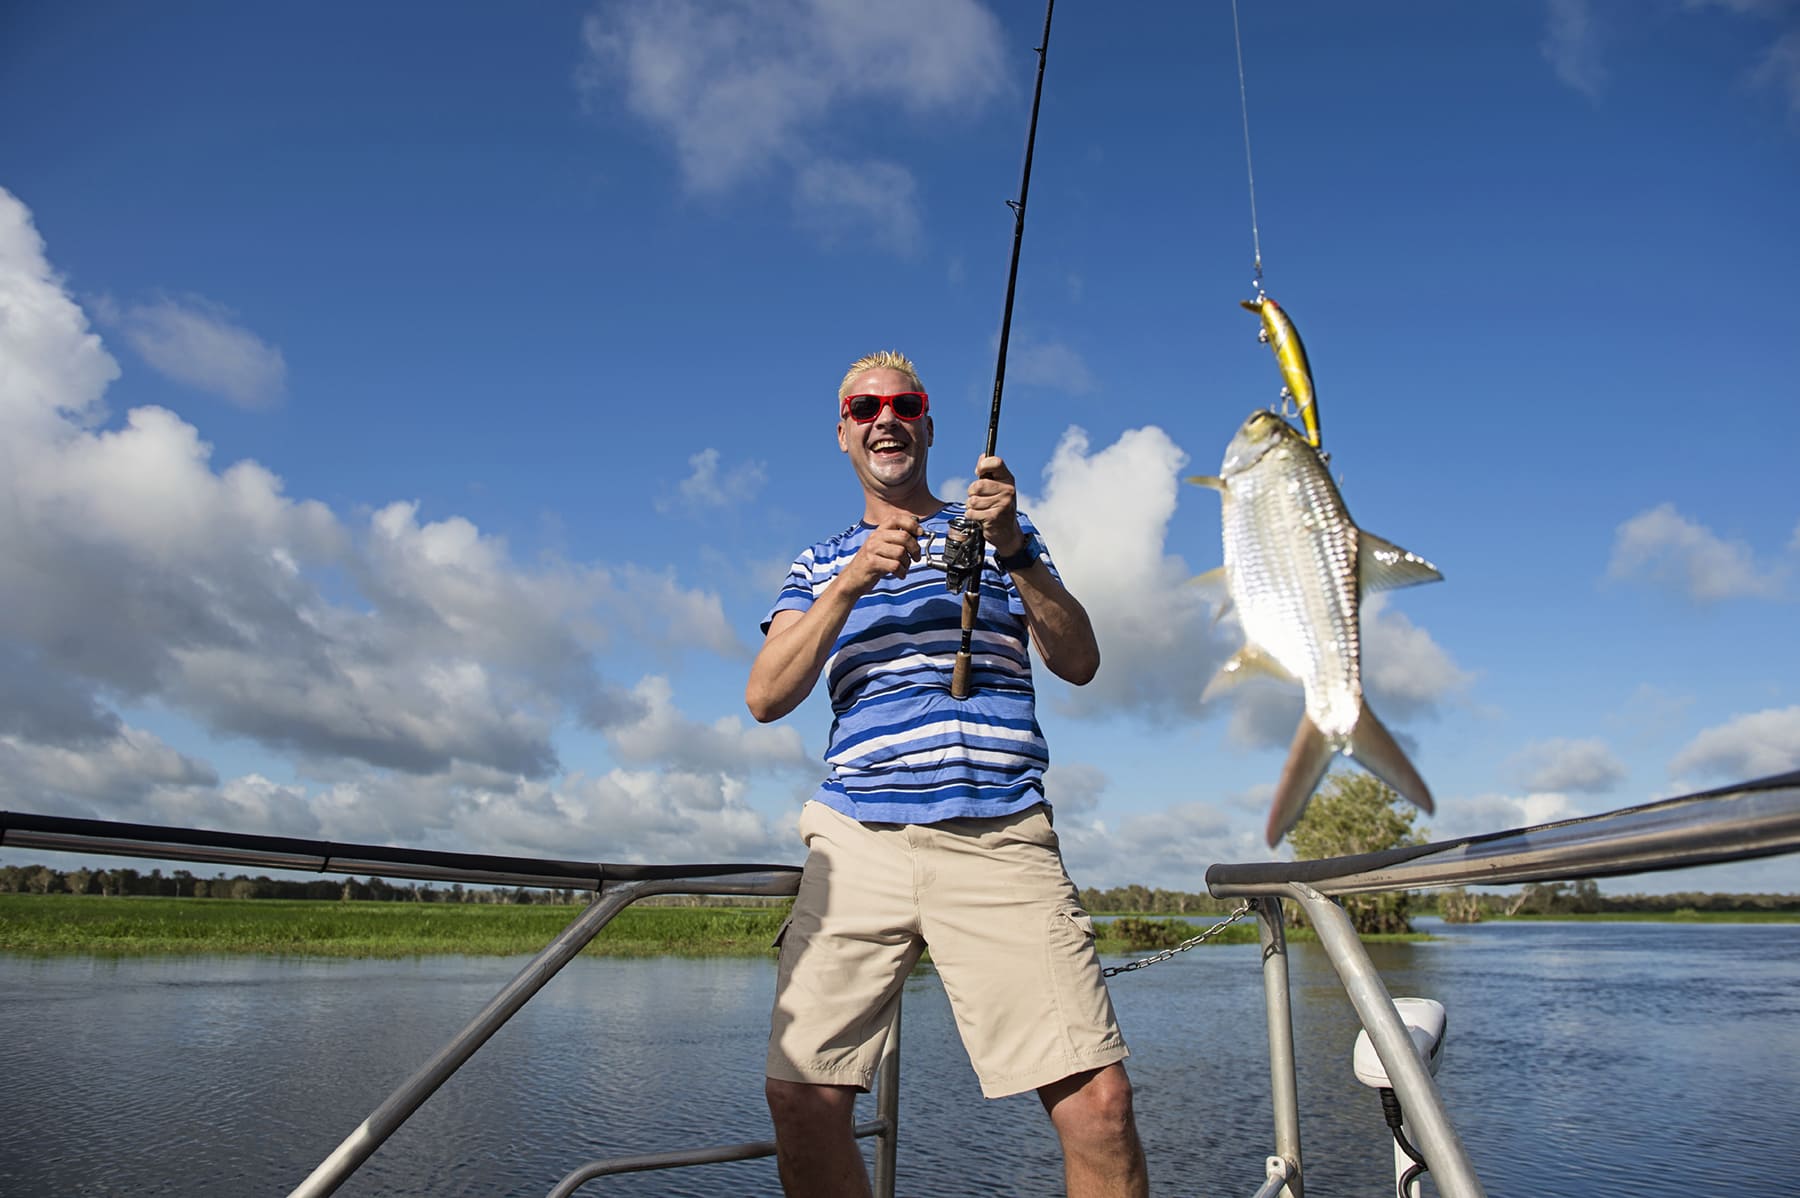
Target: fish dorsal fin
x=1382 y=565
x=1244 y=663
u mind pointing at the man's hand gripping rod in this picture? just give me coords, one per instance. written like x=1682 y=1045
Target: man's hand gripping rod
x=965 y=547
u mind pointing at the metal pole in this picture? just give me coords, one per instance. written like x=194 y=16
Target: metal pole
x=887 y=1110
x=1437 y=1139
x=388 y=1117
x=1284 y=1089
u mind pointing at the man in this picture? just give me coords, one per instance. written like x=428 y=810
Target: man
x=932 y=827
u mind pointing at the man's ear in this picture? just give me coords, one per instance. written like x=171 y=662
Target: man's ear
x=843 y=445
x=930 y=431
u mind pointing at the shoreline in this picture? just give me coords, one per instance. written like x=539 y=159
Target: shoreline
x=55 y=924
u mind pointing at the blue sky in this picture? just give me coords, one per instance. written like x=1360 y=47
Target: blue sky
x=409 y=413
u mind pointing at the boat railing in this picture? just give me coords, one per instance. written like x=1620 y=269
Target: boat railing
x=1754 y=819
x=1736 y=823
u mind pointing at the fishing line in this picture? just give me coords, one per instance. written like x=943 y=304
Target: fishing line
x=1249 y=170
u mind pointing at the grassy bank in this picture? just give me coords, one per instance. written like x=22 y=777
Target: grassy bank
x=62 y=923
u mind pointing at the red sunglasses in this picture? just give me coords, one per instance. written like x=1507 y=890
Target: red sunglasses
x=907 y=405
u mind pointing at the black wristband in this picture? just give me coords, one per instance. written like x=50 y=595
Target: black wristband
x=1023 y=559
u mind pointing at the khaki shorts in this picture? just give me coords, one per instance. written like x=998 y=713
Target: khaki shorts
x=1008 y=935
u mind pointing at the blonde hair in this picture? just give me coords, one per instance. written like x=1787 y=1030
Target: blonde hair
x=890 y=359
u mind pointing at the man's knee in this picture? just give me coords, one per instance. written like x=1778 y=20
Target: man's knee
x=804 y=1104
x=1093 y=1104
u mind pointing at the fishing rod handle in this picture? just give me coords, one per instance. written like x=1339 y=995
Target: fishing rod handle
x=959 y=674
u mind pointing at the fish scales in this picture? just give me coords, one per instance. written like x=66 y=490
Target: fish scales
x=1296 y=568
x=1290 y=554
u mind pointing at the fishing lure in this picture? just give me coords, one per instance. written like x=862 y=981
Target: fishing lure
x=1279 y=333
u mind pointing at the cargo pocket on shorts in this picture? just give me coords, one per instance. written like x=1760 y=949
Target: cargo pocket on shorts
x=1083 y=923
x=1088 y=1024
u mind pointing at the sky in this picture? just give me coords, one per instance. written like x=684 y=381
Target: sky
x=408 y=413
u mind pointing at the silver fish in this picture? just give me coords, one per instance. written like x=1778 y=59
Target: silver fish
x=1296 y=568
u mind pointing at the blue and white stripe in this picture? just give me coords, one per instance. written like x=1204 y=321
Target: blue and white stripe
x=902 y=749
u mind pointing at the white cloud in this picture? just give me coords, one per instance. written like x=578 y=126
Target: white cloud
x=707 y=487
x=197 y=342
x=1477 y=815
x=627 y=816
x=745 y=90
x=1571 y=46
x=662 y=735
x=1748 y=747
x=1170 y=848
x=96 y=777
x=1584 y=766
x=840 y=202
x=1406 y=674
x=1777 y=67
x=1664 y=547
x=53 y=369
x=411 y=668
x=1105 y=517
x=1779 y=70
x=1074 y=789
x=1047 y=364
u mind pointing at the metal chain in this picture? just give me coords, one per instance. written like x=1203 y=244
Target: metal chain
x=1167 y=953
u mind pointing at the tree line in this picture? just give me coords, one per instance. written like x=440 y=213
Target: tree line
x=1551 y=898
x=181 y=883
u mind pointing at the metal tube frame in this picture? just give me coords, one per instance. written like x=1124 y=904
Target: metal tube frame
x=1434 y=1135
x=1284 y=1088
x=360 y=1144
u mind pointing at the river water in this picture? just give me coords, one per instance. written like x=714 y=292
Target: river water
x=1649 y=1060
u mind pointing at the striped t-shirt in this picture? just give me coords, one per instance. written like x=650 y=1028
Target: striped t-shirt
x=903 y=749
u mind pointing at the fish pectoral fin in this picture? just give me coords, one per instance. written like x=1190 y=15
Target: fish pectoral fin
x=1307 y=760
x=1207 y=480
x=1374 y=748
x=1245 y=663
x=1382 y=565
x=1215 y=577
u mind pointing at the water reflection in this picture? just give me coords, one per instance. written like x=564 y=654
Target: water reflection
x=1599 y=1059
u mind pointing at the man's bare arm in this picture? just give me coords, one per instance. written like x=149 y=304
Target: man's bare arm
x=799 y=643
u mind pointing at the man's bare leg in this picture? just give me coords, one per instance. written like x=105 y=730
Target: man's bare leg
x=815 y=1138
x=1102 y=1157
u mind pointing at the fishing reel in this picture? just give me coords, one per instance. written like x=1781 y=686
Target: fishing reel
x=964 y=546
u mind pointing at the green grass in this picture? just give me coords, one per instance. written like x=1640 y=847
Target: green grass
x=91 y=924
x=62 y=923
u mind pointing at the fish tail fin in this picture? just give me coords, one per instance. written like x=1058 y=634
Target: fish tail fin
x=1375 y=749
x=1308 y=758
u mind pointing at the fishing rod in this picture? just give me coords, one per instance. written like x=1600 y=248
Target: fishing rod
x=964 y=544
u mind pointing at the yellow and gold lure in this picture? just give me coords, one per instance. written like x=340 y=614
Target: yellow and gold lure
x=1279 y=333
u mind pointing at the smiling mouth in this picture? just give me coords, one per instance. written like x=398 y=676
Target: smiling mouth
x=887 y=447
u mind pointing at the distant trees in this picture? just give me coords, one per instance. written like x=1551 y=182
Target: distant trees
x=1359 y=813
x=1142 y=900
x=1552 y=898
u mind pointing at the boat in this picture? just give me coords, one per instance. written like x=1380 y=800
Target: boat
x=1396 y=1053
